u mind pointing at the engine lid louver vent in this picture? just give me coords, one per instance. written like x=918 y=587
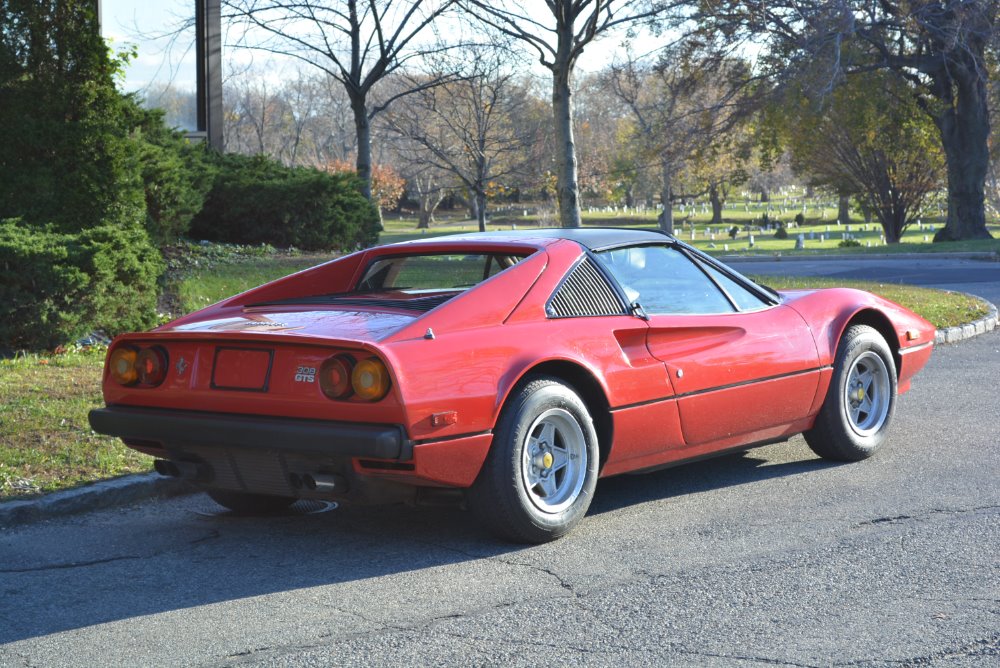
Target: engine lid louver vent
x=585 y=292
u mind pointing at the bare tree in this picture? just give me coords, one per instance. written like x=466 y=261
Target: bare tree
x=256 y=112
x=575 y=24
x=332 y=134
x=466 y=127
x=682 y=106
x=427 y=183
x=356 y=42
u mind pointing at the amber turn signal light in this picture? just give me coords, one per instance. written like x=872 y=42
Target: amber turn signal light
x=370 y=379
x=122 y=366
x=335 y=377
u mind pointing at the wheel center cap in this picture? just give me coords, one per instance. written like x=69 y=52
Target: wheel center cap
x=860 y=394
x=547 y=460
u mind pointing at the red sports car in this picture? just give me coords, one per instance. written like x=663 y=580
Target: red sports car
x=509 y=369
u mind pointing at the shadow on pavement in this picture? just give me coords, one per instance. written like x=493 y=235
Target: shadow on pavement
x=187 y=553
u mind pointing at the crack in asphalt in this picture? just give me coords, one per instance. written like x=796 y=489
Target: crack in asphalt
x=976 y=648
x=754 y=659
x=897 y=519
x=71 y=564
x=212 y=535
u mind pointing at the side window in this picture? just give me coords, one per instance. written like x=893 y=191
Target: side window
x=745 y=300
x=664 y=281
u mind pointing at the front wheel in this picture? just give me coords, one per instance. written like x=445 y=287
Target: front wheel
x=859 y=405
x=540 y=475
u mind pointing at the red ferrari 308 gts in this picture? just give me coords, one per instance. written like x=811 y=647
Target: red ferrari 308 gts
x=512 y=369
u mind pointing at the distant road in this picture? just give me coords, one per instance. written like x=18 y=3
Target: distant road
x=977 y=277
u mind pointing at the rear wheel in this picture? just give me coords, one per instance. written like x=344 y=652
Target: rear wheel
x=539 y=477
x=245 y=503
x=859 y=405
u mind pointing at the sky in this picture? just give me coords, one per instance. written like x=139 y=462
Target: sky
x=163 y=60
x=137 y=22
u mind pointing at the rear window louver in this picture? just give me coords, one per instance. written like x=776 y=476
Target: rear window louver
x=585 y=292
x=418 y=305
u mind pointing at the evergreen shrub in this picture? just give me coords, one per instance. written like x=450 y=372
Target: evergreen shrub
x=57 y=286
x=257 y=200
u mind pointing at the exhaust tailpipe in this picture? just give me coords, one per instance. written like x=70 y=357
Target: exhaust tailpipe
x=326 y=483
x=193 y=471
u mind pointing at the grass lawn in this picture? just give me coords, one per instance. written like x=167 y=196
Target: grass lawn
x=45 y=440
x=944 y=309
x=46 y=443
x=200 y=287
x=821 y=232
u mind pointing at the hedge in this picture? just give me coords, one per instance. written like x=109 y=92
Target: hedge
x=56 y=287
x=256 y=200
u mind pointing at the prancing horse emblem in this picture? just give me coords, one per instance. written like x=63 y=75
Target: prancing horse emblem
x=181 y=366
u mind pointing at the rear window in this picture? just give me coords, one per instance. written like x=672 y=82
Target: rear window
x=433 y=273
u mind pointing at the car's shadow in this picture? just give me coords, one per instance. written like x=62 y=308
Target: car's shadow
x=187 y=553
x=733 y=469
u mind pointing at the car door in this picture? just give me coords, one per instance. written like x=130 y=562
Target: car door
x=742 y=365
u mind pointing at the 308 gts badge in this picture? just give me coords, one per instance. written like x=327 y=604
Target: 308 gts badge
x=305 y=374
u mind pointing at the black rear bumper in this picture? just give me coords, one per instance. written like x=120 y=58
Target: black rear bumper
x=173 y=429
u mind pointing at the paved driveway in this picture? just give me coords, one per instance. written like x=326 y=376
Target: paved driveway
x=769 y=557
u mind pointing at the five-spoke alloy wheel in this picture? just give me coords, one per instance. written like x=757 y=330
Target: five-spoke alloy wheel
x=859 y=405
x=541 y=471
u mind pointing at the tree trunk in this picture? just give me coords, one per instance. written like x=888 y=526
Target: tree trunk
x=666 y=219
x=567 y=188
x=363 y=129
x=844 y=208
x=892 y=223
x=481 y=208
x=428 y=202
x=473 y=205
x=965 y=131
x=713 y=196
x=425 y=216
x=765 y=196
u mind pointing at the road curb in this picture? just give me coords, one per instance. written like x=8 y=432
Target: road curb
x=104 y=494
x=985 y=256
x=962 y=332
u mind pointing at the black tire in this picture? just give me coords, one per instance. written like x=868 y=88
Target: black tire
x=860 y=403
x=539 y=477
x=245 y=503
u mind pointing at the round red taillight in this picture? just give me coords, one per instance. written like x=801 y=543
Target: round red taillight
x=151 y=365
x=335 y=377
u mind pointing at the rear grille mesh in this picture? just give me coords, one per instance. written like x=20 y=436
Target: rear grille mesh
x=585 y=293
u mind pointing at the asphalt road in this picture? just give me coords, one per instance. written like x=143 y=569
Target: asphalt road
x=977 y=277
x=769 y=557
